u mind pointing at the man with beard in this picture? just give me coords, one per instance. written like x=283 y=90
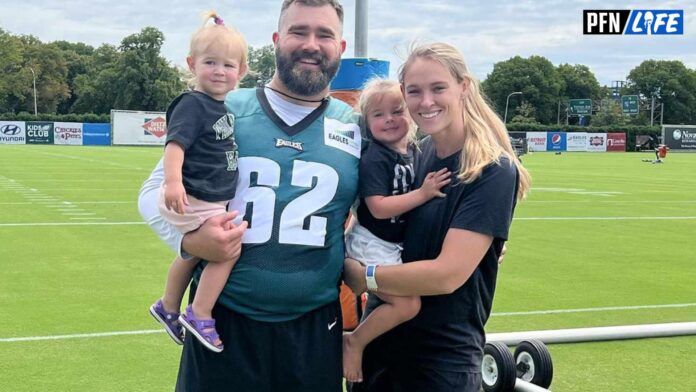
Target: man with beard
x=279 y=315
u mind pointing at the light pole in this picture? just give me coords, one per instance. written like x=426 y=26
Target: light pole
x=508 y=101
x=34 y=76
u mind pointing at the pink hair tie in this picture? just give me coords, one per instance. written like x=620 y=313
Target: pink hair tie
x=218 y=20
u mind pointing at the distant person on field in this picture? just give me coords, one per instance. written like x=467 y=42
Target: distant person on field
x=200 y=174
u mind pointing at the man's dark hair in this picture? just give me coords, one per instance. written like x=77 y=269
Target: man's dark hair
x=313 y=3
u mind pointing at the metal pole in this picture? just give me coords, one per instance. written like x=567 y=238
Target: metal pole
x=652 y=110
x=662 y=112
x=506 y=104
x=34 y=76
x=523 y=386
x=558 y=117
x=361 y=28
x=596 y=334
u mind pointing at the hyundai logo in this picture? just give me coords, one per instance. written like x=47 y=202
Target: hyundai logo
x=10 y=130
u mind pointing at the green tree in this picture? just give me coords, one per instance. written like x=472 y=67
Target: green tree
x=671 y=83
x=145 y=79
x=13 y=78
x=535 y=77
x=579 y=82
x=92 y=90
x=610 y=113
x=261 y=66
x=78 y=58
x=19 y=56
x=51 y=75
x=525 y=114
x=133 y=77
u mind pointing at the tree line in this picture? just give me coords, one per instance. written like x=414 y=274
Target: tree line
x=75 y=78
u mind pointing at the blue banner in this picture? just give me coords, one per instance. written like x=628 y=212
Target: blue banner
x=353 y=73
x=556 y=141
x=96 y=134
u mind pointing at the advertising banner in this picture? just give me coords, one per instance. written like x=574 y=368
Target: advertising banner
x=616 y=142
x=12 y=132
x=576 y=141
x=96 y=134
x=67 y=133
x=556 y=141
x=678 y=137
x=597 y=142
x=39 y=132
x=536 y=141
x=138 y=128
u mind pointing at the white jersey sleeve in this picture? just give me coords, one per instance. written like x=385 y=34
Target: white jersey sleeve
x=147 y=205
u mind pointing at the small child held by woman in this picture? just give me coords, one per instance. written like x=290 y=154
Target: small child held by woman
x=386 y=195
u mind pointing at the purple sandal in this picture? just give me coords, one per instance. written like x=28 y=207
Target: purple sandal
x=170 y=321
x=203 y=330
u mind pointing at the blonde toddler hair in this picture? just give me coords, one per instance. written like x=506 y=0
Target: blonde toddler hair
x=374 y=91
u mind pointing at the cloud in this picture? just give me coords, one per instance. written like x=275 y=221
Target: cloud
x=486 y=32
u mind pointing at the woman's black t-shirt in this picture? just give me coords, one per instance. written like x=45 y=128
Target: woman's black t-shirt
x=448 y=332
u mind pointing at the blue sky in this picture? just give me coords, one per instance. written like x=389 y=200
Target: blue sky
x=485 y=31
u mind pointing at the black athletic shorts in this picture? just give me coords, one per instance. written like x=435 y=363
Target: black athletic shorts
x=301 y=355
x=419 y=379
x=385 y=373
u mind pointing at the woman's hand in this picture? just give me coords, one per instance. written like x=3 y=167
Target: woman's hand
x=354 y=276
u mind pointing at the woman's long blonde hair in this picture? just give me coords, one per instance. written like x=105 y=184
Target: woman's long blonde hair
x=486 y=138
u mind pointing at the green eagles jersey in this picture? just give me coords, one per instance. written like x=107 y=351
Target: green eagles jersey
x=296 y=185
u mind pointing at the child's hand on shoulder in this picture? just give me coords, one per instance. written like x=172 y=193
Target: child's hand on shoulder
x=434 y=181
x=175 y=196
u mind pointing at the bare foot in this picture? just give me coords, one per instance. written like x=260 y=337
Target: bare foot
x=352 y=359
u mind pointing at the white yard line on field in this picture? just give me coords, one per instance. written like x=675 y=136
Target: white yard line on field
x=584 y=310
x=80 y=335
x=71 y=224
x=99 y=161
x=151 y=331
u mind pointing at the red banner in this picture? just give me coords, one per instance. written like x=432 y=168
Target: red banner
x=616 y=142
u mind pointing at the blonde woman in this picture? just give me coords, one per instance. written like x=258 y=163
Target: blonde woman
x=451 y=244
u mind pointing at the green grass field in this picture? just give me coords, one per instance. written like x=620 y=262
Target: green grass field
x=604 y=239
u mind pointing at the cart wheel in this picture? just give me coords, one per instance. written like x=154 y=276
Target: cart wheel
x=497 y=368
x=534 y=364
